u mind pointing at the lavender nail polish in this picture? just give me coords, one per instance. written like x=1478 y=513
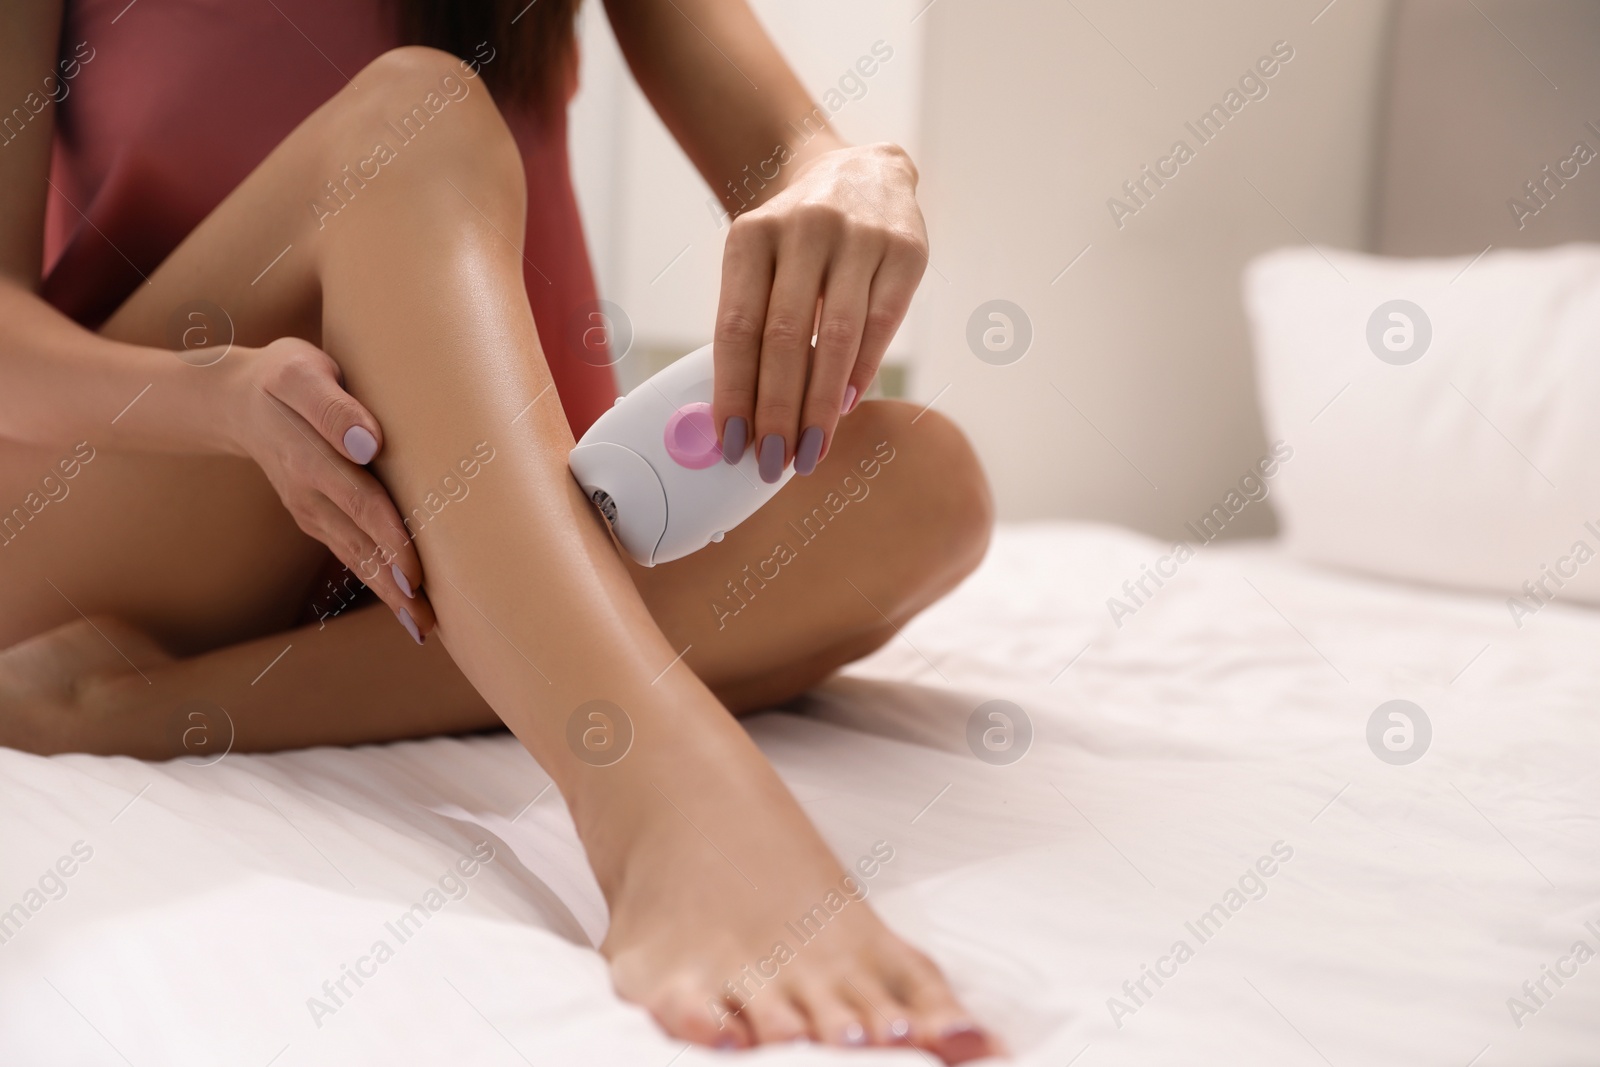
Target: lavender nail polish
x=734 y=432
x=401 y=581
x=770 y=459
x=410 y=624
x=361 y=445
x=849 y=400
x=808 y=451
x=855 y=1034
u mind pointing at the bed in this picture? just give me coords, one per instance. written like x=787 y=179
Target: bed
x=1221 y=731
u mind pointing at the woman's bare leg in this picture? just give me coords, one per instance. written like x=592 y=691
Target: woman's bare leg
x=420 y=301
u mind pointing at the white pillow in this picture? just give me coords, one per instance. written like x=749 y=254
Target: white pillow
x=1468 y=458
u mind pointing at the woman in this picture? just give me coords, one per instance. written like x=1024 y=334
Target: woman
x=309 y=297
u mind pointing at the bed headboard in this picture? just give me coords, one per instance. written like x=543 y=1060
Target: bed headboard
x=1483 y=96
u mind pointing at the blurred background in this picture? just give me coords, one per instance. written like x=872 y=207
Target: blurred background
x=1134 y=400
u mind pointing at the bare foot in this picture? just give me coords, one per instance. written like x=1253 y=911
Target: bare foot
x=741 y=929
x=41 y=679
x=730 y=919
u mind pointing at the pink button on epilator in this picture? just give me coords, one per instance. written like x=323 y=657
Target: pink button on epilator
x=691 y=437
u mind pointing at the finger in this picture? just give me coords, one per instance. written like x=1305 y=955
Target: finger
x=839 y=330
x=892 y=289
x=392 y=568
x=310 y=386
x=364 y=558
x=321 y=518
x=785 y=352
x=747 y=266
x=370 y=508
x=364 y=531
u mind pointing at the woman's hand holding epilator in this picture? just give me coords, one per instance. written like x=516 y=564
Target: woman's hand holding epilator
x=837 y=253
x=287 y=409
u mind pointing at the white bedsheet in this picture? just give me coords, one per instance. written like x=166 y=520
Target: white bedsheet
x=1228 y=714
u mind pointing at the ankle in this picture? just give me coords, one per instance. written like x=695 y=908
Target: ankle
x=658 y=793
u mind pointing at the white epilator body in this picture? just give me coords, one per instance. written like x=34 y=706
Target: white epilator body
x=653 y=466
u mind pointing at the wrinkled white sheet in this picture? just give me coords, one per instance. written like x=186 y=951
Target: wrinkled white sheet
x=1227 y=715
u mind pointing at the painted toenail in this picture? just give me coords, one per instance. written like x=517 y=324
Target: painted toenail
x=855 y=1034
x=899 y=1028
x=963 y=1041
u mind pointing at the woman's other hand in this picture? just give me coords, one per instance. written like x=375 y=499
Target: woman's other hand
x=838 y=252
x=286 y=408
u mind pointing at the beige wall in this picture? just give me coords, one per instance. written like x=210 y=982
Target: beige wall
x=1025 y=118
x=1033 y=118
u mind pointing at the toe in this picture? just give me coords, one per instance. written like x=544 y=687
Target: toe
x=773 y=1018
x=833 y=1021
x=940 y=1023
x=888 y=1022
x=967 y=1041
x=702 y=1016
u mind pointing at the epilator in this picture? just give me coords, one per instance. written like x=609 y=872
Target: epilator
x=653 y=466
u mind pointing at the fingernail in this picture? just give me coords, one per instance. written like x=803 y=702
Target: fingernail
x=849 y=399
x=808 y=451
x=734 y=432
x=771 y=458
x=361 y=445
x=855 y=1034
x=400 y=580
x=410 y=624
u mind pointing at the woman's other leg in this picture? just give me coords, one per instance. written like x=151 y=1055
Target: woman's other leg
x=811 y=591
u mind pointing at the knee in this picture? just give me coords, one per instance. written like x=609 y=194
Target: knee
x=403 y=78
x=422 y=111
x=942 y=493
